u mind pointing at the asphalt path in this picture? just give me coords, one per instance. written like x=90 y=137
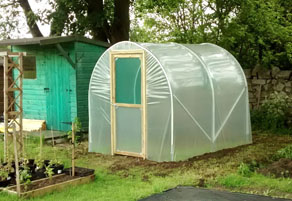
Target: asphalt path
x=188 y=193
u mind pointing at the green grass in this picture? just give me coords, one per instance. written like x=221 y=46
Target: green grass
x=121 y=178
x=257 y=183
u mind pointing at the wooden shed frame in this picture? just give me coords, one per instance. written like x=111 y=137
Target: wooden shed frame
x=140 y=54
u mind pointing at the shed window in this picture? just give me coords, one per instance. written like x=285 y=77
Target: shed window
x=29 y=67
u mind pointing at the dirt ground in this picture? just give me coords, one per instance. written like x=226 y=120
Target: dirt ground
x=280 y=168
x=209 y=165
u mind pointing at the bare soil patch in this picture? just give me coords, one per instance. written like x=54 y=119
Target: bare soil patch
x=280 y=168
x=261 y=150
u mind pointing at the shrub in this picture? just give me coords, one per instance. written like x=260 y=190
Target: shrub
x=286 y=152
x=272 y=115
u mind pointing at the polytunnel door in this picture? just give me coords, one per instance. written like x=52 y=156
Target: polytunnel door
x=128 y=103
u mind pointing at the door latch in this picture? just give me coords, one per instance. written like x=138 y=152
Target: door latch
x=46 y=89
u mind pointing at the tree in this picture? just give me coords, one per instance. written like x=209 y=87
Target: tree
x=256 y=32
x=105 y=20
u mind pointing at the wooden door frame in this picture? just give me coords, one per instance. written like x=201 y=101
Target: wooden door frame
x=113 y=54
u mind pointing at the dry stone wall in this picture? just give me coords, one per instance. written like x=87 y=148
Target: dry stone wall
x=262 y=82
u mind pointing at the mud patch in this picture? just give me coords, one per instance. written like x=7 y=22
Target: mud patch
x=280 y=168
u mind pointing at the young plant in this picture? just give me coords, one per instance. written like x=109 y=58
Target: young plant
x=24 y=176
x=49 y=171
x=3 y=173
x=78 y=128
x=39 y=163
x=244 y=170
x=285 y=152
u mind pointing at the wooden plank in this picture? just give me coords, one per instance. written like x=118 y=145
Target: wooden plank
x=119 y=52
x=144 y=106
x=52 y=188
x=11 y=54
x=128 y=105
x=6 y=108
x=112 y=102
x=126 y=153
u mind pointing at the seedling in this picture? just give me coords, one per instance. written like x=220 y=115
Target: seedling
x=3 y=173
x=49 y=171
x=78 y=128
x=39 y=163
x=25 y=177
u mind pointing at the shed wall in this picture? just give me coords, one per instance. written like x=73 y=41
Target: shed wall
x=86 y=58
x=35 y=102
x=34 y=98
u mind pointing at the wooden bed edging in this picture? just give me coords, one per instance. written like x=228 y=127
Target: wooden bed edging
x=51 y=188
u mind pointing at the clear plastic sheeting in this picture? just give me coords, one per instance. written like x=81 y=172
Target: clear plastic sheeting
x=197 y=102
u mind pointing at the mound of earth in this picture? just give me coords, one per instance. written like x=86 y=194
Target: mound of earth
x=280 y=168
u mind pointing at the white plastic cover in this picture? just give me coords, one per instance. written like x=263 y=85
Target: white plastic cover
x=197 y=101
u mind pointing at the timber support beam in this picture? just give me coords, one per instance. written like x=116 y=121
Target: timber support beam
x=66 y=55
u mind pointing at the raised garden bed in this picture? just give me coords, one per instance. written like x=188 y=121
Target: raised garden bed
x=36 y=173
x=47 y=185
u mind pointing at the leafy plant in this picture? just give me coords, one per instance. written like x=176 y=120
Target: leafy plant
x=49 y=171
x=286 y=152
x=272 y=115
x=3 y=173
x=39 y=163
x=55 y=162
x=25 y=176
x=78 y=127
x=244 y=170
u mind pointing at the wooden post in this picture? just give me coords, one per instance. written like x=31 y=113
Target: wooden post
x=73 y=149
x=41 y=143
x=20 y=137
x=12 y=99
x=16 y=161
x=6 y=108
x=52 y=132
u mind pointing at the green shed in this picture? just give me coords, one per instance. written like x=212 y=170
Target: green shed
x=57 y=72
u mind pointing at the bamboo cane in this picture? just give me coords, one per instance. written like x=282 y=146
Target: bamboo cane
x=41 y=143
x=16 y=161
x=73 y=149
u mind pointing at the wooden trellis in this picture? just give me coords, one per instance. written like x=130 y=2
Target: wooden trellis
x=13 y=99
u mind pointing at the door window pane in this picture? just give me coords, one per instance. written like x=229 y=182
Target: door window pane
x=128 y=80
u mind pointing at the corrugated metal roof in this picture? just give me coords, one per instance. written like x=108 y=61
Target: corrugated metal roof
x=52 y=40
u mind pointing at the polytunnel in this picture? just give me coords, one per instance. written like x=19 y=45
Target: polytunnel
x=167 y=102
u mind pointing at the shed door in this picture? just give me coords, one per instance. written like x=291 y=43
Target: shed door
x=58 y=93
x=128 y=103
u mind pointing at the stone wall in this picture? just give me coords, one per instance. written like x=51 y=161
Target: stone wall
x=262 y=82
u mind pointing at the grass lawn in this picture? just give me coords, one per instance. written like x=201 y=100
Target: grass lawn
x=121 y=178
